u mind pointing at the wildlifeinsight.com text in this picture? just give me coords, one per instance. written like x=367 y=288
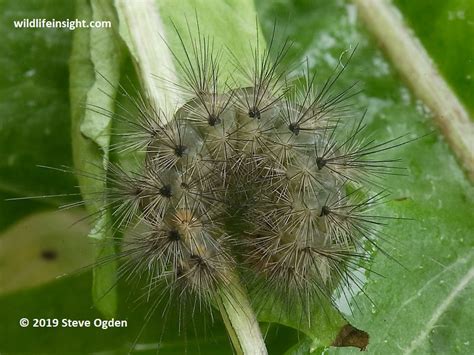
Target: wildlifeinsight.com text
x=67 y=23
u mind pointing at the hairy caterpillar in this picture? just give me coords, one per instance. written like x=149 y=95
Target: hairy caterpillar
x=273 y=179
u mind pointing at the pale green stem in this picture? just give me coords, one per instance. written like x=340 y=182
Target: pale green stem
x=411 y=59
x=240 y=320
x=142 y=29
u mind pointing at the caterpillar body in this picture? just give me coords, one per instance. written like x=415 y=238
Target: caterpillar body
x=264 y=179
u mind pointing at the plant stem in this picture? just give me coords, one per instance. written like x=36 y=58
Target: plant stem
x=142 y=29
x=415 y=65
x=240 y=320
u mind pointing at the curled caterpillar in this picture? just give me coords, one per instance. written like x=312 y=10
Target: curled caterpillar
x=257 y=176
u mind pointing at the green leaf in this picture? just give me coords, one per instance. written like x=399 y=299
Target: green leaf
x=42 y=247
x=325 y=321
x=446 y=28
x=34 y=109
x=237 y=16
x=70 y=299
x=96 y=55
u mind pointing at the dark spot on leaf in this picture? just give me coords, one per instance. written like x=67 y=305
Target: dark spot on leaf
x=401 y=198
x=49 y=254
x=351 y=336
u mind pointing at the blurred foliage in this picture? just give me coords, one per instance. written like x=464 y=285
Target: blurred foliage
x=446 y=29
x=35 y=119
